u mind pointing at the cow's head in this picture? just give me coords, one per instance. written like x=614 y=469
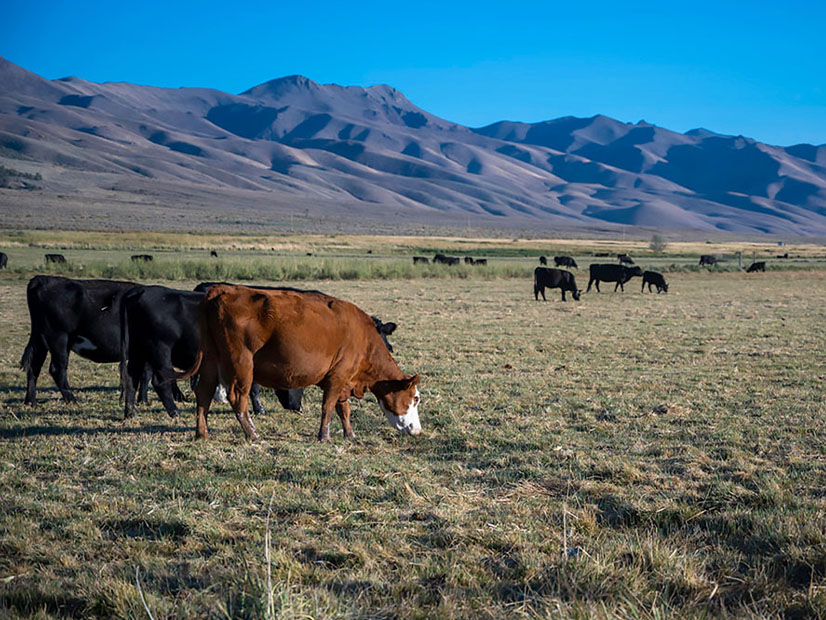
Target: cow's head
x=399 y=400
x=634 y=271
x=665 y=287
x=576 y=293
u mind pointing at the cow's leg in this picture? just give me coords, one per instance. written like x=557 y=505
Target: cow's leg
x=143 y=385
x=642 y=289
x=33 y=358
x=59 y=350
x=163 y=388
x=596 y=283
x=204 y=391
x=135 y=373
x=328 y=405
x=590 y=282
x=177 y=395
x=239 y=375
x=563 y=294
x=255 y=399
x=343 y=411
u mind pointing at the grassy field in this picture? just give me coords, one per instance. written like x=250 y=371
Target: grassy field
x=626 y=456
x=353 y=257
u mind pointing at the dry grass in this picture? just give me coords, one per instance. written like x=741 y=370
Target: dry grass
x=627 y=456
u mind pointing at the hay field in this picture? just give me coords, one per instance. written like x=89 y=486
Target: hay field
x=626 y=456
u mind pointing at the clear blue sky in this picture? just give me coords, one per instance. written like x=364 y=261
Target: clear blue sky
x=753 y=68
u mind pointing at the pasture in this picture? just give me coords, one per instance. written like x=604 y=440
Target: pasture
x=625 y=456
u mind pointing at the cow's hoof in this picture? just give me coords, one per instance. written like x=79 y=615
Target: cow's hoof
x=70 y=398
x=350 y=435
x=174 y=413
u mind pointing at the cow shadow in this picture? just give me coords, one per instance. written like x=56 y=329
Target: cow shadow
x=42 y=430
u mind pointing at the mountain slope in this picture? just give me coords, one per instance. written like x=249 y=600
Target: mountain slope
x=337 y=146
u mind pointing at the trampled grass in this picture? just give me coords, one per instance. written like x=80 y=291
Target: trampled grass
x=629 y=455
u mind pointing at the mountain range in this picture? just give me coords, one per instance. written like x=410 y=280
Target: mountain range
x=292 y=141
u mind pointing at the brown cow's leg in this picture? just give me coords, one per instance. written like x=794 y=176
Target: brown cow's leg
x=204 y=392
x=238 y=395
x=343 y=411
x=328 y=405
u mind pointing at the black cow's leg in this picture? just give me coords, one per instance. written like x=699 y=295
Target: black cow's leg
x=135 y=373
x=164 y=390
x=563 y=294
x=59 y=350
x=143 y=386
x=33 y=357
x=255 y=398
x=590 y=282
x=177 y=395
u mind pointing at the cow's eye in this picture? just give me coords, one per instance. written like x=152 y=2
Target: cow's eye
x=416 y=400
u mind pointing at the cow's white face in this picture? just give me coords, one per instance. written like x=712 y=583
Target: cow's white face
x=407 y=422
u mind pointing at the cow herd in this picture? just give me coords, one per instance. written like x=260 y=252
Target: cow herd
x=228 y=336
x=234 y=339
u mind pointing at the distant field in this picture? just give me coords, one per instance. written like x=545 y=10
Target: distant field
x=351 y=257
x=626 y=456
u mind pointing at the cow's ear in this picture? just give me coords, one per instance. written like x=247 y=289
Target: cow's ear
x=413 y=381
x=388 y=328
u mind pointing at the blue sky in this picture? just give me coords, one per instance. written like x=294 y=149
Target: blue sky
x=752 y=68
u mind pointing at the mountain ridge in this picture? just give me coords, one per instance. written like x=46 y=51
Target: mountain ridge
x=340 y=145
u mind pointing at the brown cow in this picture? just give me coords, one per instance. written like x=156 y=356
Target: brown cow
x=293 y=339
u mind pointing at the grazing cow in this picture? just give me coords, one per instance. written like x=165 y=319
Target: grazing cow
x=288 y=339
x=608 y=272
x=543 y=260
x=72 y=315
x=656 y=279
x=758 y=266
x=446 y=260
x=708 y=259
x=420 y=259
x=548 y=277
x=142 y=257
x=565 y=261
x=602 y=254
x=213 y=254
x=55 y=258
x=4 y=260
x=786 y=255
x=159 y=330
x=480 y=261
x=625 y=259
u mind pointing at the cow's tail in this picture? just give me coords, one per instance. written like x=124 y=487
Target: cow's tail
x=124 y=343
x=35 y=333
x=205 y=336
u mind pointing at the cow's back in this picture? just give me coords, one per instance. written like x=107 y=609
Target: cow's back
x=295 y=338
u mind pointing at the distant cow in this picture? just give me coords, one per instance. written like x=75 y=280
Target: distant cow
x=548 y=277
x=421 y=259
x=708 y=259
x=758 y=266
x=786 y=255
x=4 y=259
x=213 y=254
x=446 y=260
x=565 y=261
x=608 y=272
x=656 y=279
x=602 y=254
x=543 y=260
x=468 y=260
x=55 y=258
x=289 y=339
x=142 y=257
x=72 y=315
x=480 y=261
x=625 y=259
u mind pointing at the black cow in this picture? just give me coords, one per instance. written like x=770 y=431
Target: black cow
x=72 y=315
x=608 y=272
x=602 y=254
x=213 y=254
x=55 y=258
x=468 y=260
x=142 y=257
x=708 y=259
x=421 y=259
x=480 y=261
x=159 y=330
x=654 y=278
x=543 y=260
x=565 y=261
x=625 y=259
x=758 y=266
x=446 y=260
x=548 y=277
x=4 y=259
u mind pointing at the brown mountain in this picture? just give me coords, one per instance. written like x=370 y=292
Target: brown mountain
x=353 y=150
